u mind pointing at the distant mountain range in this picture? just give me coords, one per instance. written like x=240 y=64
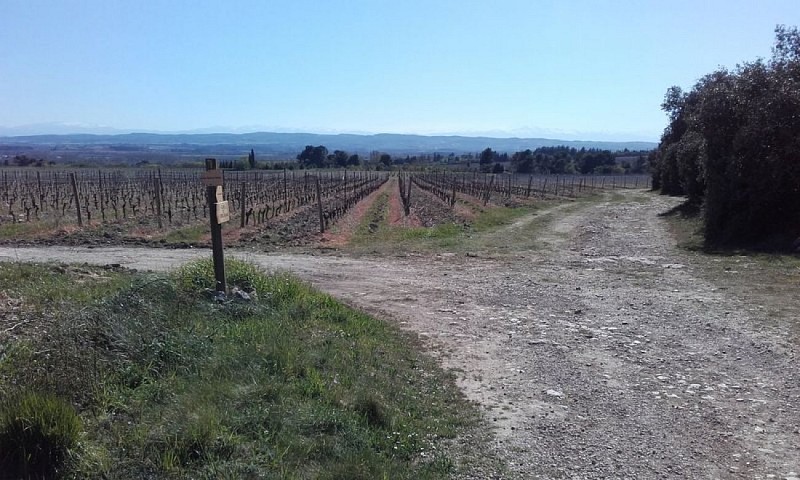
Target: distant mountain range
x=292 y=143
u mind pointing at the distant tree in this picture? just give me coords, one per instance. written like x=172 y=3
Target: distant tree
x=523 y=162
x=639 y=166
x=251 y=159
x=594 y=161
x=338 y=158
x=24 y=160
x=498 y=168
x=386 y=159
x=353 y=160
x=313 y=157
x=487 y=157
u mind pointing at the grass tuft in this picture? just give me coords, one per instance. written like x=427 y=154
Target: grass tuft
x=374 y=412
x=191 y=234
x=37 y=434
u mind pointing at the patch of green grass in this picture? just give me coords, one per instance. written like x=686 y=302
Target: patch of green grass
x=19 y=230
x=499 y=216
x=392 y=239
x=293 y=385
x=445 y=231
x=191 y=234
x=374 y=222
x=48 y=286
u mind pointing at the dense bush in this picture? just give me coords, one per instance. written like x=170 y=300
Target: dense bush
x=733 y=142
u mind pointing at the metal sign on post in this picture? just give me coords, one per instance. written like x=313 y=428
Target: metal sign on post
x=212 y=179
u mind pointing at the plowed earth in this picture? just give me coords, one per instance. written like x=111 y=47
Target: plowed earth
x=297 y=228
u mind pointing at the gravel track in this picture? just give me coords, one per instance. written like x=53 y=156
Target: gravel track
x=606 y=353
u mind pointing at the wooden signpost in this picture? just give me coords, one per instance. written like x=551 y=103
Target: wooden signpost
x=218 y=213
x=212 y=177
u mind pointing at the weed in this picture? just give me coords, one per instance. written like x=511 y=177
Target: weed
x=37 y=434
x=19 y=230
x=495 y=217
x=198 y=276
x=373 y=411
x=191 y=234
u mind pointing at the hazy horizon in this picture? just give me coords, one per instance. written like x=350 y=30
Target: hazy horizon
x=579 y=70
x=54 y=128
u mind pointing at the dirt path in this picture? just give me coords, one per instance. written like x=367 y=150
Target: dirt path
x=606 y=354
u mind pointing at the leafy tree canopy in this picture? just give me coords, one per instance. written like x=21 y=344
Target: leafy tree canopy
x=313 y=157
x=733 y=145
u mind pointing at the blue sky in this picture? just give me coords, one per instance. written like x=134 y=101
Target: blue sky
x=593 y=70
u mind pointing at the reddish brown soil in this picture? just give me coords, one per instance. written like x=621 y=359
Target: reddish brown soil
x=431 y=210
x=464 y=211
x=397 y=216
x=470 y=203
x=344 y=229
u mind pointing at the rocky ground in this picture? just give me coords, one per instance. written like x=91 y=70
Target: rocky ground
x=602 y=352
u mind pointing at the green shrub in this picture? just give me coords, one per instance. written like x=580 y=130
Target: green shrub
x=37 y=434
x=196 y=276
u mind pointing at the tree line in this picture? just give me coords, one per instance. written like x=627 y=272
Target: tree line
x=565 y=160
x=560 y=160
x=732 y=146
x=26 y=161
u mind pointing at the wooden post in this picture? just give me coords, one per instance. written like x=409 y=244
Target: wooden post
x=75 y=194
x=216 y=229
x=408 y=193
x=157 y=192
x=319 y=207
x=242 y=223
x=41 y=192
x=285 y=191
x=102 y=195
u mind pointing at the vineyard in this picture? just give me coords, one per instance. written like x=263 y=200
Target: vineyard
x=169 y=207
